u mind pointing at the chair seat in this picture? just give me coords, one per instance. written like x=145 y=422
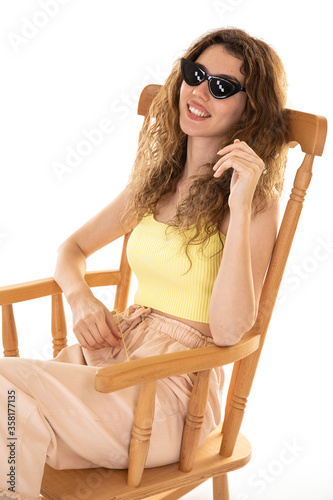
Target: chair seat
x=111 y=484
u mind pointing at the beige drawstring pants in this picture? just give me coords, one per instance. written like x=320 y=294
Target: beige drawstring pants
x=51 y=413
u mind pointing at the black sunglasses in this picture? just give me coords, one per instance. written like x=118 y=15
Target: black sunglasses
x=221 y=88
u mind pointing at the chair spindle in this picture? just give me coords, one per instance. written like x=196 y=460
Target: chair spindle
x=241 y=388
x=58 y=324
x=141 y=432
x=237 y=404
x=122 y=292
x=9 y=333
x=194 y=421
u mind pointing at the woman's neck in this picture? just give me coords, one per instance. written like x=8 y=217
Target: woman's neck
x=200 y=151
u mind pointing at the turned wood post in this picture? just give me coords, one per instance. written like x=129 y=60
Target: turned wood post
x=120 y=302
x=58 y=324
x=9 y=333
x=194 y=421
x=244 y=370
x=141 y=432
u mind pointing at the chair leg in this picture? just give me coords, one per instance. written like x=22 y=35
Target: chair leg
x=220 y=487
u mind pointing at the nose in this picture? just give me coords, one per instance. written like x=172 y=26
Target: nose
x=202 y=91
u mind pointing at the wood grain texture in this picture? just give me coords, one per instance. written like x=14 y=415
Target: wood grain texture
x=221 y=487
x=141 y=432
x=194 y=421
x=58 y=324
x=113 y=484
x=47 y=286
x=9 y=333
x=116 y=377
x=122 y=292
x=146 y=98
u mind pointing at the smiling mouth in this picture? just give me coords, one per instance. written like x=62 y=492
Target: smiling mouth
x=196 y=112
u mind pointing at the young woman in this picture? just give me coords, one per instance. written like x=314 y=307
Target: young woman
x=202 y=205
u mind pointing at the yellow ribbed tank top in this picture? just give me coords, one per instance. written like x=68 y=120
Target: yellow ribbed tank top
x=156 y=254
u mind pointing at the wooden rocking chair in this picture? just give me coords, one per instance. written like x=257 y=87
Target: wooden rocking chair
x=225 y=449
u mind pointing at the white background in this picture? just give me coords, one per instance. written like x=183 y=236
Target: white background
x=67 y=70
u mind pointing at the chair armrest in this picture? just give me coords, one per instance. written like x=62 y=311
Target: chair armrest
x=138 y=371
x=47 y=286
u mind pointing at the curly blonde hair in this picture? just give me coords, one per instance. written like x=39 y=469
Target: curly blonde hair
x=161 y=154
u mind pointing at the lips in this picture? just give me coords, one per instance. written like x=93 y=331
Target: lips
x=196 y=110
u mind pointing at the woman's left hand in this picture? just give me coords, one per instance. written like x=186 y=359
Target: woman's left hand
x=247 y=166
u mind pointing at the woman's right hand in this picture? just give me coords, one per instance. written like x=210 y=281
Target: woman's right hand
x=93 y=324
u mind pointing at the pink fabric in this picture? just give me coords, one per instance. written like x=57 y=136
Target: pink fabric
x=62 y=420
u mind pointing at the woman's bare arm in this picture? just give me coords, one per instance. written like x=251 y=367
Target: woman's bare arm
x=235 y=298
x=93 y=324
x=247 y=251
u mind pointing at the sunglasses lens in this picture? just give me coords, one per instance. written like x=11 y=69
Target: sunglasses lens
x=192 y=74
x=221 y=88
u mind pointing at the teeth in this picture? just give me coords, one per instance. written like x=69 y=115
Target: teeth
x=197 y=112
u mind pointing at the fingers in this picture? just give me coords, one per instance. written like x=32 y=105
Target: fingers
x=86 y=340
x=240 y=157
x=97 y=330
x=237 y=144
x=112 y=324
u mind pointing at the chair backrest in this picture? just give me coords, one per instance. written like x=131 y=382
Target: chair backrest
x=310 y=132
